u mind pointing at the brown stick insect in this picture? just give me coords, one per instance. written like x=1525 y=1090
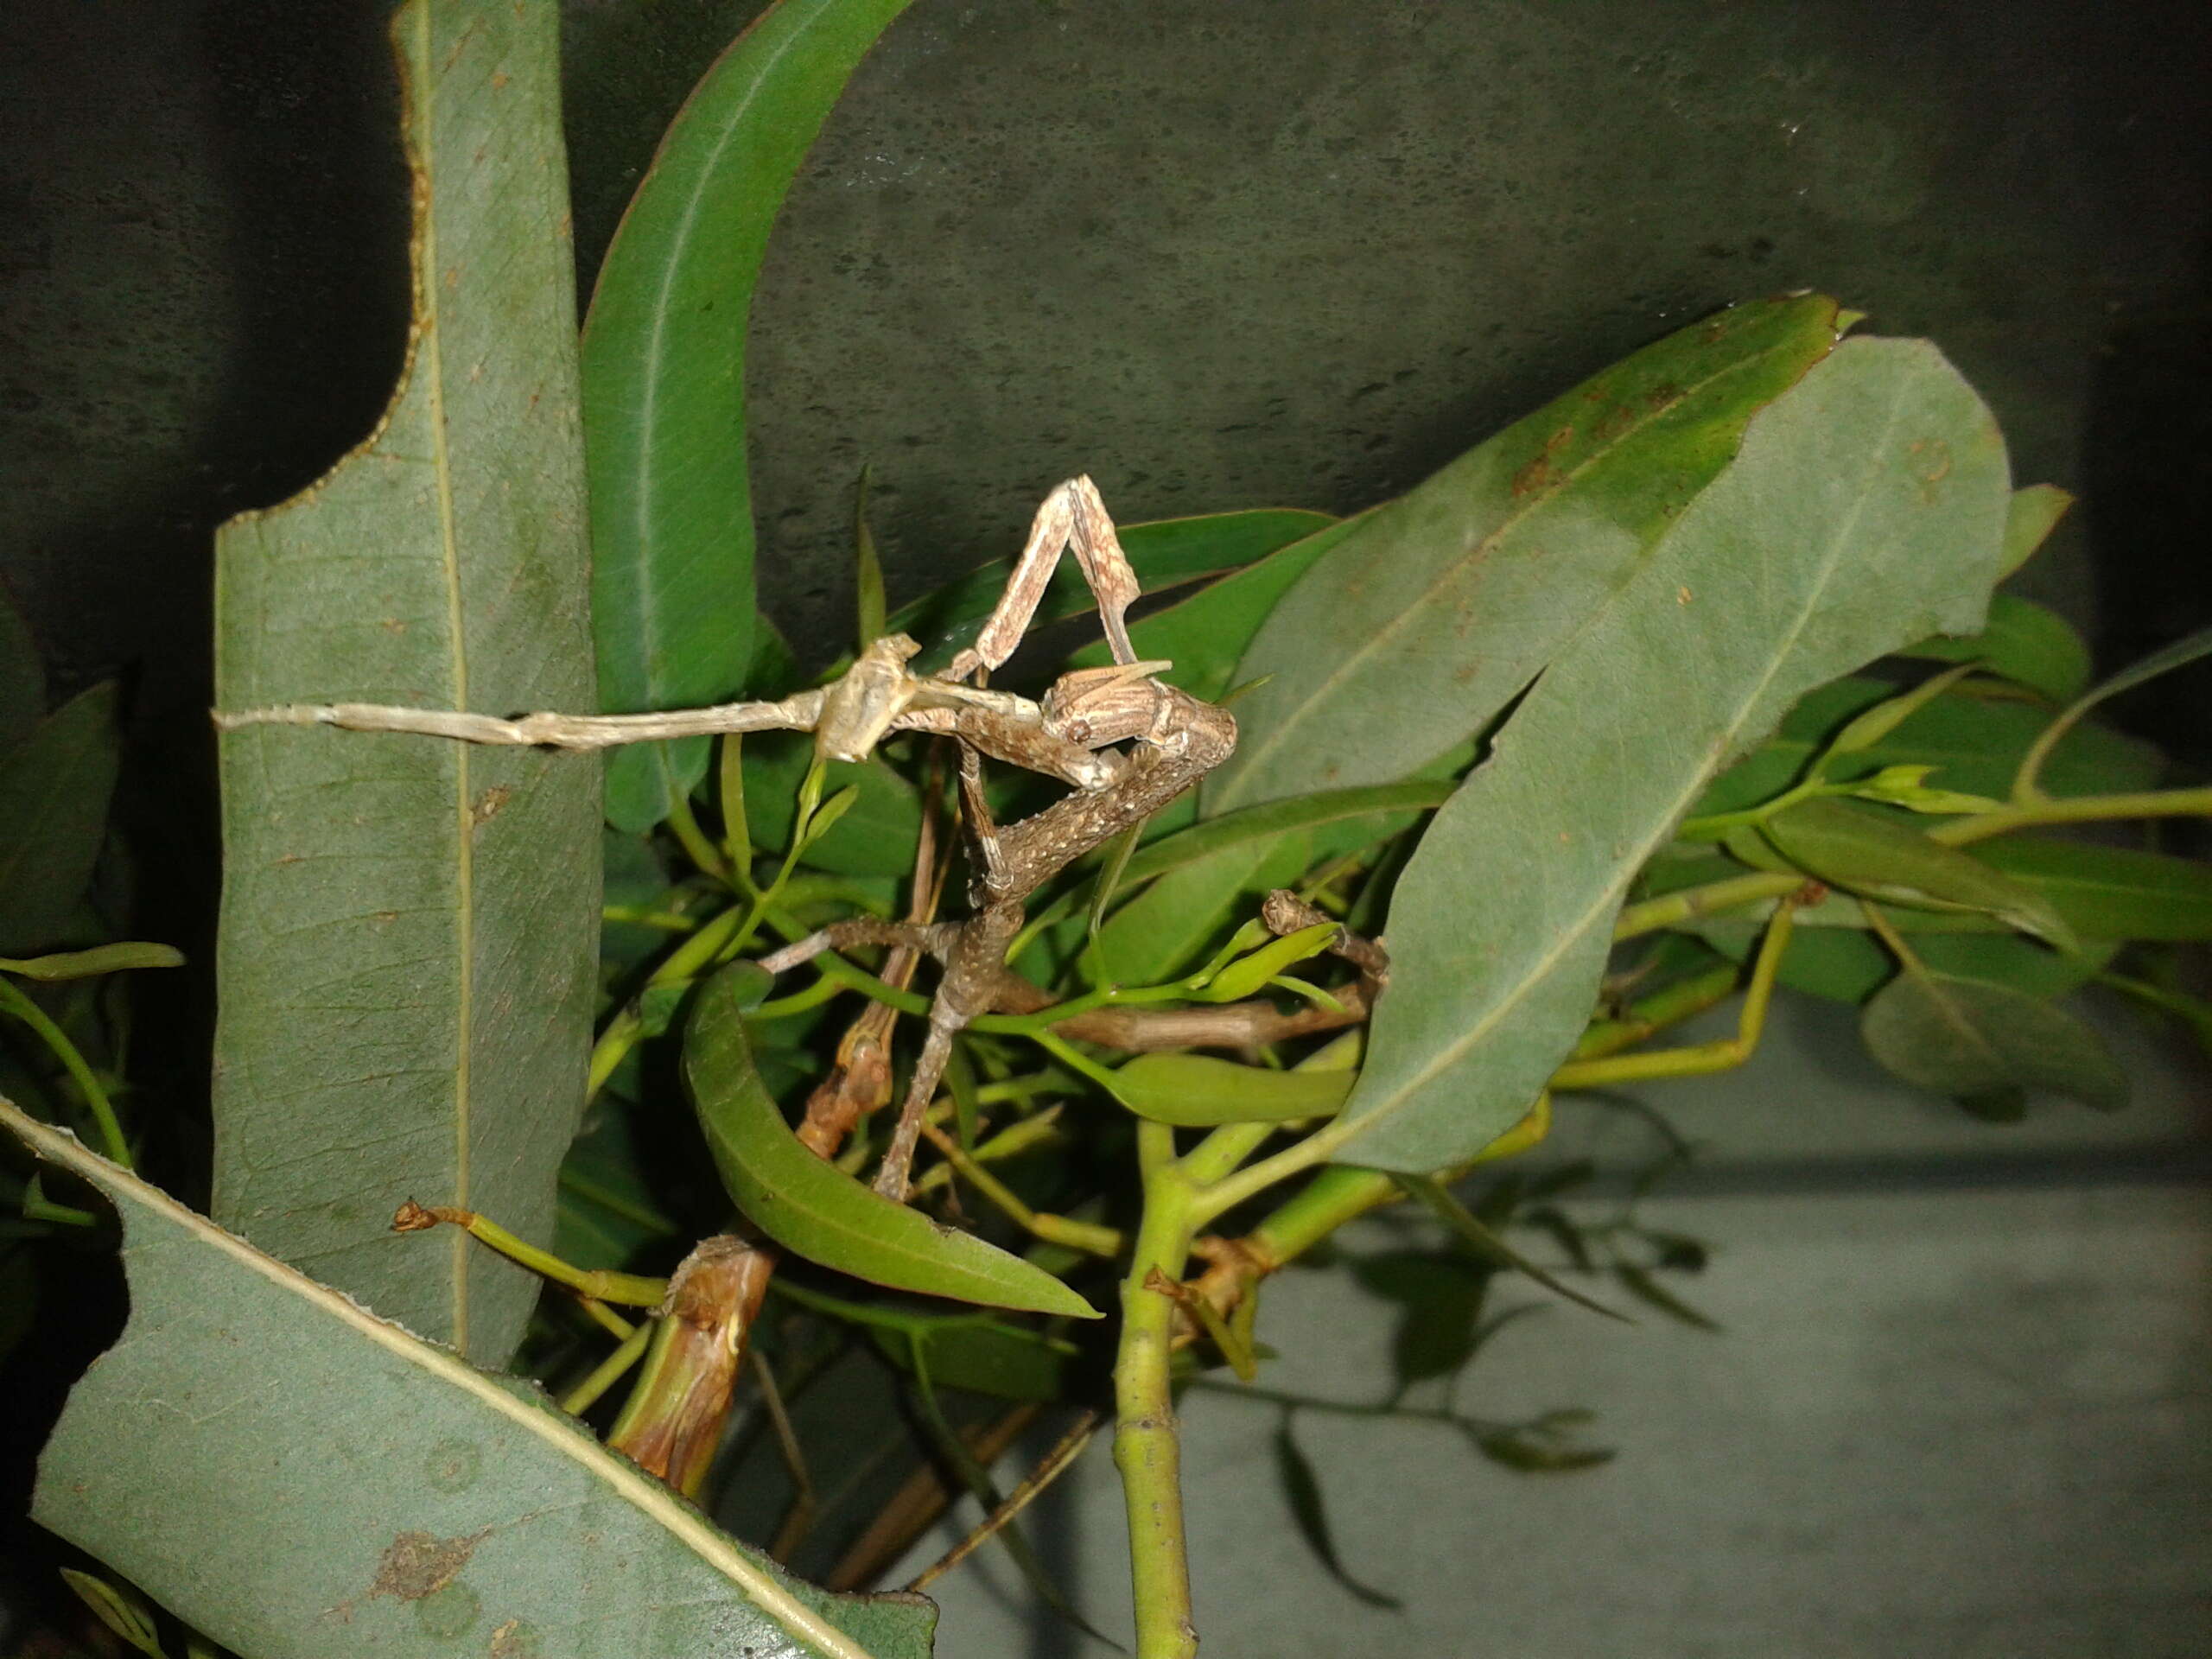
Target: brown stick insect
x=1070 y=734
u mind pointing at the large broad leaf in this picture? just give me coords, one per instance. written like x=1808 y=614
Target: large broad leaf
x=405 y=960
x=663 y=367
x=1865 y=509
x=1420 y=625
x=297 y=1477
x=815 y=1209
x=1986 y=1044
x=54 y=785
x=2024 y=642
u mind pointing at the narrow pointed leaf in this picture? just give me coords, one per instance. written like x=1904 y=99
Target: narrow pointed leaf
x=101 y=959
x=2113 y=892
x=2029 y=517
x=1198 y=1091
x=408 y=924
x=2025 y=642
x=1417 y=626
x=2179 y=654
x=1863 y=851
x=813 y=1208
x=663 y=369
x=329 y=1482
x=54 y=786
x=1973 y=1039
x=1866 y=509
x=1167 y=553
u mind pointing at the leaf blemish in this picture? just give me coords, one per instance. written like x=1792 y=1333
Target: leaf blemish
x=487 y=804
x=416 y=1565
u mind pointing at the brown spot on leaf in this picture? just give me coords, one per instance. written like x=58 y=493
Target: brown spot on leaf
x=1681 y=595
x=417 y=1564
x=1665 y=395
x=1931 y=465
x=498 y=79
x=489 y=805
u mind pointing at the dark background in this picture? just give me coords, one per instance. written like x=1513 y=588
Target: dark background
x=1216 y=256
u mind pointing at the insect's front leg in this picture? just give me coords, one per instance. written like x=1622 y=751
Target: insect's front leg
x=1071 y=519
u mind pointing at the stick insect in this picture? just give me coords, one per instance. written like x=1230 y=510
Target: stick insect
x=1070 y=734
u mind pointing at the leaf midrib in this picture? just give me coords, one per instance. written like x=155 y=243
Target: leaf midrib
x=1608 y=896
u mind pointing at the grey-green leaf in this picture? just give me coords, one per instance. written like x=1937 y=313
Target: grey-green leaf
x=1867 y=852
x=815 y=1209
x=1973 y=1039
x=295 y=1476
x=663 y=367
x=405 y=960
x=1419 y=624
x=54 y=786
x=1866 y=509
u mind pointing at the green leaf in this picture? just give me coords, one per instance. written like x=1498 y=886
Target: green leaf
x=345 y=1475
x=1863 y=510
x=2024 y=642
x=1426 y=618
x=2179 y=654
x=1866 y=852
x=54 y=786
x=1164 y=928
x=1974 y=746
x=2113 y=892
x=405 y=959
x=1848 y=964
x=664 y=373
x=815 y=1209
x=1167 y=554
x=875 y=836
x=102 y=959
x=1199 y=1091
x=981 y=1354
x=1975 y=1040
x=1301 y=1490
x=2029 y=517
x=1276 y=818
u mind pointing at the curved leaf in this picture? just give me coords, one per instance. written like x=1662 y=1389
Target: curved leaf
x=1453 y=597
x=1164 y=554
x=664 y=383
x=1866 y=509
x=2164 y=660
x=1986 y=1043
x=355 y=1489
x=1198 y=1091
x=2113 y=892
x=100 y=959
x=2025 y=642
x=1867 y=852
x=54 y=786
x=815 y=1209
x=405 y=961
x=2029 y=517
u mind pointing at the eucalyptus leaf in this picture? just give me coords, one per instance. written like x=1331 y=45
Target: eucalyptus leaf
x=813 y=1208
x=54 y=786
x=1206 y=634
x=1166 y=554
x=1864 y=509
x=1419 y=625
x=875 y=836
x=2026 y=643
x=1868 y=852
x=1975 y=746
x=2113 y=892
x=1167 y=926
x=664 y=378
x=1849 y=964
x=293 y=1476
x=1198 y=1091
x=1989 y=1043
x=2031 y=515
x=2179 y=654
x=404 y=961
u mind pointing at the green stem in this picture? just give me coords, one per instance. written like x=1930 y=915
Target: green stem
x=2077 y=808
x=111 y=1128
x=701 y=851
x=1147 y=1448
x=1676 y=908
